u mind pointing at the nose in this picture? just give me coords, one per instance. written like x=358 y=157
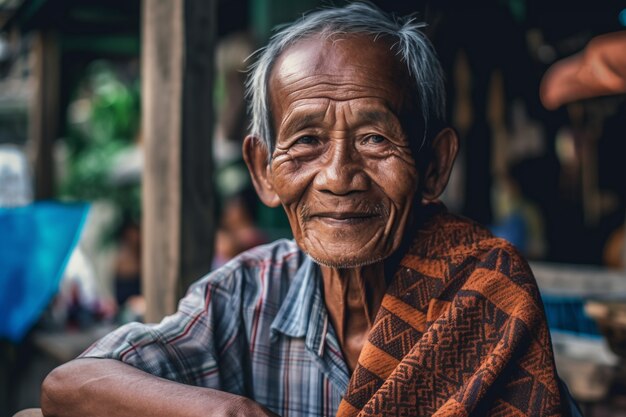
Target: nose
x=342 y=171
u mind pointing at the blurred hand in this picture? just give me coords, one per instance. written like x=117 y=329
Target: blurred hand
x=600 y=69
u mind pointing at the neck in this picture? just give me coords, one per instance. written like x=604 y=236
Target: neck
x=353 y=296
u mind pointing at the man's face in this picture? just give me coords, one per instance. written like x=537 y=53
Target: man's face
x=342 y=166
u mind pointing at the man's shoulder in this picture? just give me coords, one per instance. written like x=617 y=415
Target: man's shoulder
x=457 y=261
x=453 y=248
x=451 y=235
x=481 y=254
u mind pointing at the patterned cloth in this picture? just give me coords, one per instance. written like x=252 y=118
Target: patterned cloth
x=256 y=327
x=461 y=331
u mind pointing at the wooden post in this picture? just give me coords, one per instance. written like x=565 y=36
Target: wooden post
x=177 y=125
x=44 y=111
x=198 y=221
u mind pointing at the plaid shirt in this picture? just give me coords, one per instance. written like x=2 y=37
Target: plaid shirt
x=256 y=327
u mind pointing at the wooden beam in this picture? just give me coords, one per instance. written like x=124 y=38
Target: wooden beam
x=44 y=111
x=177 y=126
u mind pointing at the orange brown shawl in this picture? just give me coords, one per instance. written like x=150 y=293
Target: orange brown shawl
x=461 y=331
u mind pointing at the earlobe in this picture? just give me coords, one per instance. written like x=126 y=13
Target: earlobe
x=256 y=157
x=437 y=173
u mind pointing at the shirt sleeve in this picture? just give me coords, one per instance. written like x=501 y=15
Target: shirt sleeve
x=186 y=346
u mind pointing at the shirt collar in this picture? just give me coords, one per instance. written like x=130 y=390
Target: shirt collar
x=302 y=313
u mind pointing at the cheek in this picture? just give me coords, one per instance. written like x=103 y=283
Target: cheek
x=398 y=178
x=291 y=179
x=399 y=181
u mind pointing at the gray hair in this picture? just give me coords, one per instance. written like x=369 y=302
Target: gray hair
x=409 y=43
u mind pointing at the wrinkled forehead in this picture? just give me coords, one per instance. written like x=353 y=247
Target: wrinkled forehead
x=368 y=65
x=335 y=52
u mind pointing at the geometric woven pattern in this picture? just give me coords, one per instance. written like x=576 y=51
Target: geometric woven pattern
x=461 y=331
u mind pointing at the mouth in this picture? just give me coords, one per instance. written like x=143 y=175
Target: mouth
x=345 y=218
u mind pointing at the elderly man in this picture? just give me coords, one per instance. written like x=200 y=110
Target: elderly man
x=384 y=304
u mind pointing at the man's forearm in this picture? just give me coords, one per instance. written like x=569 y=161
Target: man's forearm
x=109 y=388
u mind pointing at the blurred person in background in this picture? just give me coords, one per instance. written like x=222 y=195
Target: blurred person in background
x=237 y=231
x=237 y=228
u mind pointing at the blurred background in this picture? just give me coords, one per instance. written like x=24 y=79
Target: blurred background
x=121 y=123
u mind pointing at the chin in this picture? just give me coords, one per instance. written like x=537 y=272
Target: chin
x=346 y=262
x=346 y=250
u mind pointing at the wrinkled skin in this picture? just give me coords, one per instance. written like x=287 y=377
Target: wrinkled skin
x=342 y=167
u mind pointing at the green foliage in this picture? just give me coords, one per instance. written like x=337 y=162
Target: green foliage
x=103 y=120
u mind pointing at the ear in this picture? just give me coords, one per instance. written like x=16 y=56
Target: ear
x=437 y=173
x=256 y=157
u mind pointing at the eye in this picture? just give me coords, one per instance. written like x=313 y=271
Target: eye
x=306 y=140
x=374 y=139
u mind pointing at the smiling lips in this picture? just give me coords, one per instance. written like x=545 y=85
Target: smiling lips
x=345 y=218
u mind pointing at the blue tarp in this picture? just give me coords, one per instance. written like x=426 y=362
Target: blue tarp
x=36 y=242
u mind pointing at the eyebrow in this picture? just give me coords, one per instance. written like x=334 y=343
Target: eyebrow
x=302 y=122
x=381 y=118
x=373 y=116
x=364 y=117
